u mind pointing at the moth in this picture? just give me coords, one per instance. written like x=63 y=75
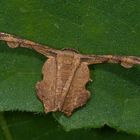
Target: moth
x=65 y=74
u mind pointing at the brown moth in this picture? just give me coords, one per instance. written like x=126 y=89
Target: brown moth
x=65 y=74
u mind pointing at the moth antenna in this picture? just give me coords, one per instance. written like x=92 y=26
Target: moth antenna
x=14 y=42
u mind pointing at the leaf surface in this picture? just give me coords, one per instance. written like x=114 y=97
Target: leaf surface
x=92 y=27
x=21 y=126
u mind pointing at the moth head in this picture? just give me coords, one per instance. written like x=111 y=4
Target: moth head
x=70 y=50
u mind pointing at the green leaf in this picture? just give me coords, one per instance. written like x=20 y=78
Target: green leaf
x=91 y=26
x=21 y=126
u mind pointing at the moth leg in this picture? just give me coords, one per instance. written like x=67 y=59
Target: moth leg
x=125 y=61
x=14 y=42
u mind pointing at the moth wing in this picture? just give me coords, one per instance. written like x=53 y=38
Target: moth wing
x=14 y=42
x=77 y=95
x=46 y=87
